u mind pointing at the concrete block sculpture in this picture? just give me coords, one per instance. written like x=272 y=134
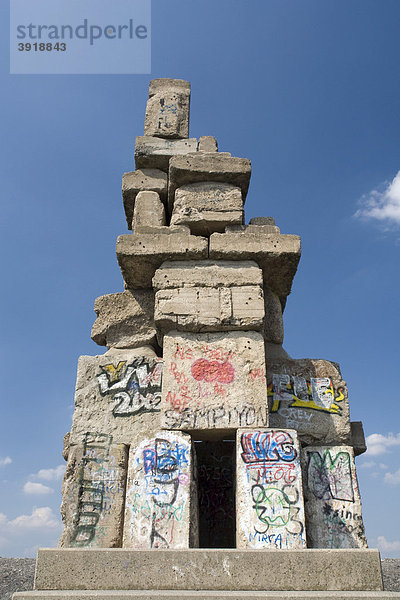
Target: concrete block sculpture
x=195 y=429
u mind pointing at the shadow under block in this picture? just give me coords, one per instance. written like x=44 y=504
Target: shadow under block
x=139 y=256
x=199 y=569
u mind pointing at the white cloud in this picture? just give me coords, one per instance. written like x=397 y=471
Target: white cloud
x=385 y=546
x=5 y=461
x=378 y=443
x=367 y=465
x=50 y=474
x=37 y=488
x=392 y=478
x=41 y=518
x=382 y=205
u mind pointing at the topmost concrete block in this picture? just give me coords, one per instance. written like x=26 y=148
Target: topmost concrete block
x=176 y=85
x=212 y=166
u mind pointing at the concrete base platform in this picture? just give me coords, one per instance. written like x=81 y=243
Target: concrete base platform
x=203 y=595
x=211 y=569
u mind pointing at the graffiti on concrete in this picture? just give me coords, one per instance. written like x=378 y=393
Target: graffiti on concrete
x=295 y=392
x=333 y=503
x=156 y=500
x=271 y=477
x=135 y=386
x=330 y=476
x=98 y=485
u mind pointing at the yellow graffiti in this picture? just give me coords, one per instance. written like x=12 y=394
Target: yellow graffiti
x=114 y=373
x=309 y=403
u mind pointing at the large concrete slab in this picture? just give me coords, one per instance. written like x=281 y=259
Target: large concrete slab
x=208 y=207
x=167 y=111
x=310 y=396
x=214 y=382
x=158 y=500
x=203 y=595
x=269 y=491
x=207 y=167
x=152 y=180
x=139 y=256
x=117 y=394
x=277 y=255
x=208 y=296
x=125 y=319
x=94 y=494
x=208 y=569
x=154 y=152
x=333 y=503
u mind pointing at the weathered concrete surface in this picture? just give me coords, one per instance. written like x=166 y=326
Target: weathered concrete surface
x=152 y=180
x=94 y=493
x=333 y=503
x=157 y=86
x=214 y=382
x=118 y=394
x=205 y=595
x=213 y=166
x=208 y=296
x=149 y=211
x=310 y=396
x=277 y=255
x=269 y=491
x=139 y=256
x=167 y=113
x=358 y=438
x=197 y=569
x=154 y=152
x=201 y=309
x=207 y=207
x=207 y=273
x=273 y=324
x=207 y=143
x=158 y=500
x=125 y=320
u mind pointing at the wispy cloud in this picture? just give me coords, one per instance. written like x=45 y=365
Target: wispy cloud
x=38 y=519
x=50 y=474
x=5 y=461
x=377 y=443
x=386 y=546
x=392 y=478
x=32 y=487
x=382 y=205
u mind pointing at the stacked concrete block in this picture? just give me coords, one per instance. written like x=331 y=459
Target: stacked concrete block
x=149 y=180
x=211 y=296
x=125 y=320
x=311 y=397
x=333 y=505
x=159 y=495
x=207 y=207
x=270 y=505
x=214 y=383
x=167 y=110
x=117 y=394
x=195 y=367
x=94 y=493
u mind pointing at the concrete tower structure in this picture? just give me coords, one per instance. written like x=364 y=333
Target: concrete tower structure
x=202 y=457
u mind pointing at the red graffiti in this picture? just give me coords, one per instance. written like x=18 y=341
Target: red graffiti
x=256 y=374
x=206 y=370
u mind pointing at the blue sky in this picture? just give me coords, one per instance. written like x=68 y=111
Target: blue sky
x=309 y=91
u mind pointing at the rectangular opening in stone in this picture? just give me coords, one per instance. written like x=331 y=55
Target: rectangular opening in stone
x=216 y=466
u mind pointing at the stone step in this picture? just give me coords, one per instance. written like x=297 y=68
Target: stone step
x=201 y=595
x=208 y=569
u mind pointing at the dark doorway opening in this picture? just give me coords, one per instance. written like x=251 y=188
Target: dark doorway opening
x=216 y=468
